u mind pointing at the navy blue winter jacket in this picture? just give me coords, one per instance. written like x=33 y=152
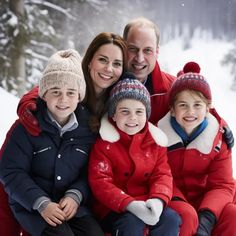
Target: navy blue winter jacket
x=47 y=165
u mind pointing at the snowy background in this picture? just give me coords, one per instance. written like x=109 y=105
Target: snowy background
x=208 y=53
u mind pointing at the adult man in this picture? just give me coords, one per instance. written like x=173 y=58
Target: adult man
x=142 y=37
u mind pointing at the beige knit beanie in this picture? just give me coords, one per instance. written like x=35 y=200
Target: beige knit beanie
x=63 y=68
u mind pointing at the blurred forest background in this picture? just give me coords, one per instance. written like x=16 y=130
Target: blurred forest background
x=32 y=30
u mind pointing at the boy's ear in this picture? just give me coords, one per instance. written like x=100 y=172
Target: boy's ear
x=172 y=112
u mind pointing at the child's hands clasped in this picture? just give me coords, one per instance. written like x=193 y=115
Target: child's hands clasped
x=139 y=209
x=149 y=212
x=69 y=206
x=156 y=207
x=53 y=214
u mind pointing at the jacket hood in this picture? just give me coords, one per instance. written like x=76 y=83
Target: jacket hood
x=109 y=133
x=203 y=143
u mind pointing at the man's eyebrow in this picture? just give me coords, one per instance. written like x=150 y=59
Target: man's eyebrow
x=54 y=88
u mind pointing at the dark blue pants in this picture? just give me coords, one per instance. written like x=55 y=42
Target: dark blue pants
x=127 y=224
x=86 y=226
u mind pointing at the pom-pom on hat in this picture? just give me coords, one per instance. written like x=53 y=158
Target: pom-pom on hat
x=191 y=67
x=190 y=79
x=63 y=68
x=129 y=88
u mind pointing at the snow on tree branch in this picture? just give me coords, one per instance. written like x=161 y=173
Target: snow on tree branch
x=52 y=6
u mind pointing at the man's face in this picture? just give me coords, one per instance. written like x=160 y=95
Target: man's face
x=142 y=51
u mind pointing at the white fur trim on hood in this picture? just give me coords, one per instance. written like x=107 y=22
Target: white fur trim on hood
x=109 y=133
x=203 y=142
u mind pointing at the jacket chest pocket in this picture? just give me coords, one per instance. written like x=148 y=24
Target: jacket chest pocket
x=78 y=159
x=198 y=163
x=79 y=150
x=41 y=151
x=43 y=160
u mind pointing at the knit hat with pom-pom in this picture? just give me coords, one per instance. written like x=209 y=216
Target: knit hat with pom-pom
x=190 y=79
x=63 y=69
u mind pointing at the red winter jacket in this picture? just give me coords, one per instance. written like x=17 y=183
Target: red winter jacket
x=161 y=83
x=202 y=171
x=125 y=168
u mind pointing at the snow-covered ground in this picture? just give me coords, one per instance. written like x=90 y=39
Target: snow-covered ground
x=8 y=103
x=172 y=58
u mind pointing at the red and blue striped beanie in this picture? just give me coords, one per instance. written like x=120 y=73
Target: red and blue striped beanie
x=129 y=88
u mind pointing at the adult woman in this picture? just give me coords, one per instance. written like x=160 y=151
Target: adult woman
x=103 y=64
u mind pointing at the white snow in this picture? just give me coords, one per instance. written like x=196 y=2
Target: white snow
x=8 y=103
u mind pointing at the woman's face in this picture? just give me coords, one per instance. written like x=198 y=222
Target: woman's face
x=106 y=67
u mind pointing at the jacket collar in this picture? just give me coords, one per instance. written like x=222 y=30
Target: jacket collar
x=158 y=83
x=203 y=143
x=82 y=132
x=109 y=133
x=70 y=125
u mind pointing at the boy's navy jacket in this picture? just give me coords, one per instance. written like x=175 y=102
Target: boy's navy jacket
x=46 y=165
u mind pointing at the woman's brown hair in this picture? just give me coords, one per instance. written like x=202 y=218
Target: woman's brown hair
x=97 y=105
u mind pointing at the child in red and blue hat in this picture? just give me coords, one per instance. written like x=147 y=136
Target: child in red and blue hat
x=200 y=161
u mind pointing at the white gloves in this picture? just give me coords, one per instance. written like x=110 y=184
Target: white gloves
x=139 y=209
x=156 y=207
x=149 y=212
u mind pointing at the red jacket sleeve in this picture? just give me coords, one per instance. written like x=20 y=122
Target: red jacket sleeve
x=25 y=108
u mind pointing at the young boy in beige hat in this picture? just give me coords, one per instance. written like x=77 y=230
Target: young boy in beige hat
x=45 y=176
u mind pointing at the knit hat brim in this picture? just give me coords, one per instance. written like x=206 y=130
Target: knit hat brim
x=62 y=79
x=190 y=81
